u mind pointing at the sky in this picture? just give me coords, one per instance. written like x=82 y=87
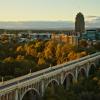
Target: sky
x=48 y=10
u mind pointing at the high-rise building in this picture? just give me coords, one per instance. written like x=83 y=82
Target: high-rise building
x=79 y=23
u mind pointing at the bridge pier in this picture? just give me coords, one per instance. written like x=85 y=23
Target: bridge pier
x=67 y=83
x=16 y=94
x=7 y=96
x=11 y=96
x=42 y=88
x=76 y=75
x=62 y=77
x=87 y=71
x=3 y=97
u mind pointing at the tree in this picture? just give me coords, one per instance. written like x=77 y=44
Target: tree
x=83 y=43
x=41 y=61
x=50 y=49
x=72 y=55
x=97 y=46
x=31 y=51
x=9 y=59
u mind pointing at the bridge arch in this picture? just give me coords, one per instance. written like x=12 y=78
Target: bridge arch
x=92 y=69
x=99 y=61
x=52 y=82
x=82 y=73
x=34 y=93
x=68 y=79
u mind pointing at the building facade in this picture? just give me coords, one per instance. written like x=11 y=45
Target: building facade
x=69 y=39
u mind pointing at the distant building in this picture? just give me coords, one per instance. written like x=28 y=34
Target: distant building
x=91 y=35
x=79 y=24
x=69 y=39
x=41 y=36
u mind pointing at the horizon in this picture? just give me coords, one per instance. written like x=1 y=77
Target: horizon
x=44 y=25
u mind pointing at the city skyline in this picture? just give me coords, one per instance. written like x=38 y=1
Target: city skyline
x=48 y=10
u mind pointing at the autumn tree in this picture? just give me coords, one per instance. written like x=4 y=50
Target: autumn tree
x=83 y=43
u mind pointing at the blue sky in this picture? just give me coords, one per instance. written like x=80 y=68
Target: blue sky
x=34 y=10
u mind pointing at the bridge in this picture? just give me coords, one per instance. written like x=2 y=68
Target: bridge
x=36 y=83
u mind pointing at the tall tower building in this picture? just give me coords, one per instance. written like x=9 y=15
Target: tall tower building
x=79 y=23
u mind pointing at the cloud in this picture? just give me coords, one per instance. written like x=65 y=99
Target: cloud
x=93 y=21
x=97 y=19
x=92 y=16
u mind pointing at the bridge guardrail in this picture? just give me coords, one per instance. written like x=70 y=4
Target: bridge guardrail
x=22 y=77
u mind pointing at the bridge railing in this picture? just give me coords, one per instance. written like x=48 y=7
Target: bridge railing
x=47 y=69
x=23 y=77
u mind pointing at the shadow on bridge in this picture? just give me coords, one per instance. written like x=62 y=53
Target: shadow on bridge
x=92 y=69
x=81 y=74
x=52 y=85
x=31 y=95
x=68 y=81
